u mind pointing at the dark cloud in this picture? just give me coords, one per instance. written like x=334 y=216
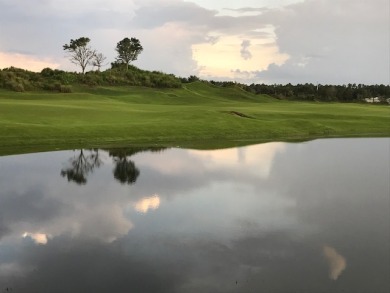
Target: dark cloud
x=195 y=18
x=31 y=206
x=212 y=39
x=152 y=15
x=68 y=264
x=331 y=42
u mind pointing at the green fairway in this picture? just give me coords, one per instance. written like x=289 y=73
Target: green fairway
x=197 y=115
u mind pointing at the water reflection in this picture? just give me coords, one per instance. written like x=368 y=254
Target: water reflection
x=336 y=262
x=277 y=217
x=147 y=203
x=39 y=238
x=83 y=162
x=125 y=170
x=81 y=165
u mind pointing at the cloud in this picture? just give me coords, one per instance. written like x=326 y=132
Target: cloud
x=39 y=238
x=336 y=262
x=221 y=60
x=245 y=53
x=331 y=42
x=152 y=15
x=247 y=9
x=11 y=270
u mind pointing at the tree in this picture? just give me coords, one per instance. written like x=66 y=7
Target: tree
x=98 y=60
x=128 y=50
x=79 y=52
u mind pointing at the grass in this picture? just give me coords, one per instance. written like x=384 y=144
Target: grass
x=198 y=115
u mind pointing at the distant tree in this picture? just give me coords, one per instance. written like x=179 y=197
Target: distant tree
x=128 y=50
x=98 y=60
x=193 y=78
x=79 y=52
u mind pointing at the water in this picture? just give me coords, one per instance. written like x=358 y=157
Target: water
x=275 y=217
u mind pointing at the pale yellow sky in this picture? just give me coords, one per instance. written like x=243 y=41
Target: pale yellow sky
x=223 y=57
x=25 y=61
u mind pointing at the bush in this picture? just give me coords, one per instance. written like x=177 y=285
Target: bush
x=65 y=89
x=58 y=80
x=15 y=86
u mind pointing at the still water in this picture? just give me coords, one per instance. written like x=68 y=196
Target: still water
x=275 y=217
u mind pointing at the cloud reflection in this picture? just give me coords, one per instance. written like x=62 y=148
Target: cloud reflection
x=245 y=215
x=39 y=238
x=255 y=160
x=14 y=269
x=147 y=203
x=336 y=262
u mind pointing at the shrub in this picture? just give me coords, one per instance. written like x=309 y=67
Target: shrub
x=65 y=89
x=14 y=85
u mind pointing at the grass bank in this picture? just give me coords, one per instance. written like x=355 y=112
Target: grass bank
x=197 y=115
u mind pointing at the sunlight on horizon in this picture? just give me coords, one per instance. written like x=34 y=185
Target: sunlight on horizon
x=229 y=55
x=25 y=62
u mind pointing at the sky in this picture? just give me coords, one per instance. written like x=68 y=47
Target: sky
x=248 y=41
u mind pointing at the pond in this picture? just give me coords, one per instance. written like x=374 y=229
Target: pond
x=274 y=217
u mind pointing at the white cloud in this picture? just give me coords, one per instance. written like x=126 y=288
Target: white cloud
x=224 y=59
x=245 y=52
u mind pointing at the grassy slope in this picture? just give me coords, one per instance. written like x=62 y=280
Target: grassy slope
x=197 y=115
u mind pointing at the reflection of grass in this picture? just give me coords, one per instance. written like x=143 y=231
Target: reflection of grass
x=198 y=115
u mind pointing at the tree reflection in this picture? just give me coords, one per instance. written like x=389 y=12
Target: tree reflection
x=125 y=171
x=81 y=166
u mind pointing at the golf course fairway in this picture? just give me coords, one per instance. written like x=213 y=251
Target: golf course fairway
x=199 y=115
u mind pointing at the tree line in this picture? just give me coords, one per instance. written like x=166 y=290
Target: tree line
x=316 y=92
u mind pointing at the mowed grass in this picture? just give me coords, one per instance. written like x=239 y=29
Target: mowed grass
x=198 y=115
